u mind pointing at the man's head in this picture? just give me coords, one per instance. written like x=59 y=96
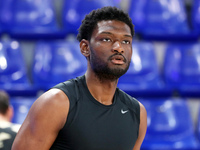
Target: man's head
x=6 y=111
x=105 y=13
x=106 y=41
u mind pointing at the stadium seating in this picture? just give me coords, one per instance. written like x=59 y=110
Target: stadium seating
x=169 y=125
x=13 y=71
x=143 y=77
x=34 y=20
x=75 y=11
x=169 y=122
x=21 y=106
x=161 y=20
x=57 y=61
x=182 y=68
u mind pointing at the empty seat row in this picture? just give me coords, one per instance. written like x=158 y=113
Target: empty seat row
x=28 y=18
x=166 y=19
x=38 y=19
x=57 y=61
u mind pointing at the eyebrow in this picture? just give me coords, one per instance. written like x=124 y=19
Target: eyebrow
x=126 y=35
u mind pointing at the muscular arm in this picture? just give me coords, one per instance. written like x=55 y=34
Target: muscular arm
x=46 y=117
x=142 y=128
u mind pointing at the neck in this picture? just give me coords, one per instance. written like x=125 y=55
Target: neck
x=102 y=90
x=4 y=118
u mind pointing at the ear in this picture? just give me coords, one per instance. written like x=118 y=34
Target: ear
x=84 y=47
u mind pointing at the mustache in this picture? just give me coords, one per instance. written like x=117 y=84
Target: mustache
x=118 y=54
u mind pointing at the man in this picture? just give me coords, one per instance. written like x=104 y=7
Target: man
x=8 y=130
x=90 y=112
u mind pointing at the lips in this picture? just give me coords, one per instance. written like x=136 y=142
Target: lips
x=118 y=59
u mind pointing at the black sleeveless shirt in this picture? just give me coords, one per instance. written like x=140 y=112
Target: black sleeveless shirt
x=91 y=125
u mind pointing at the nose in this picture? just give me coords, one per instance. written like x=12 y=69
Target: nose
x=117 y=47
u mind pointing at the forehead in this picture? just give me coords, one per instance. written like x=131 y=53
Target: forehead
x=112 y=26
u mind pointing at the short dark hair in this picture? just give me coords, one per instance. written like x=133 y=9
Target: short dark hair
x=4 y=102
x=106 y=13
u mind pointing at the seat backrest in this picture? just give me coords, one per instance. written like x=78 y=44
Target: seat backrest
x=195 y=15
x=191 y=64
x=12 y=64
x=182 y=64
x=75 y=11
x=143 y=68
x=168 y=117
x=6 y=15
x=137 y=14
x=57 y=61
x=159 y=17
x=33 y=19
x=1 y=26
x=169 y=124
x=33 y=13
x=172 y=64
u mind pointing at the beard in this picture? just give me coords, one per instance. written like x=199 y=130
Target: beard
x=103 y=71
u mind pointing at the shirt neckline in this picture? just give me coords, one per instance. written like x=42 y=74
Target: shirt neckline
x=86 y=90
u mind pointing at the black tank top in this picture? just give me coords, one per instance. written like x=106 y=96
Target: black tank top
x=91 y=125
x=8 y=132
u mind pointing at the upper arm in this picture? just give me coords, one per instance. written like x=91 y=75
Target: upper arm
x=142 y=127
x=46 y=117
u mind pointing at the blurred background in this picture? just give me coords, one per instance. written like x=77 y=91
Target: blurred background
x=38 y=49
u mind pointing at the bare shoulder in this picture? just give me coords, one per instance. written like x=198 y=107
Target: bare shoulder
x=142 y=109
x=45 y=119
x=143 y=117
x=53 y=102
x=54 y=97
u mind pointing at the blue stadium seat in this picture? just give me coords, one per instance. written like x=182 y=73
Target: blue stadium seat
x=169 y=125
x=137 y=13
x=196 y=16
x=21 y=106
x=160 y=20
x=5 y=15
x=143 y=77
x=57 y=61
x=13 y=73
x=0 y=17
x=0 y=29
x=1 y=25
x=182 y=68
x=75 y=11
x=34 y=19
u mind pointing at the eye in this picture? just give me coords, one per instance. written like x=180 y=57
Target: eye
x=126 y=42
x=106 y=39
